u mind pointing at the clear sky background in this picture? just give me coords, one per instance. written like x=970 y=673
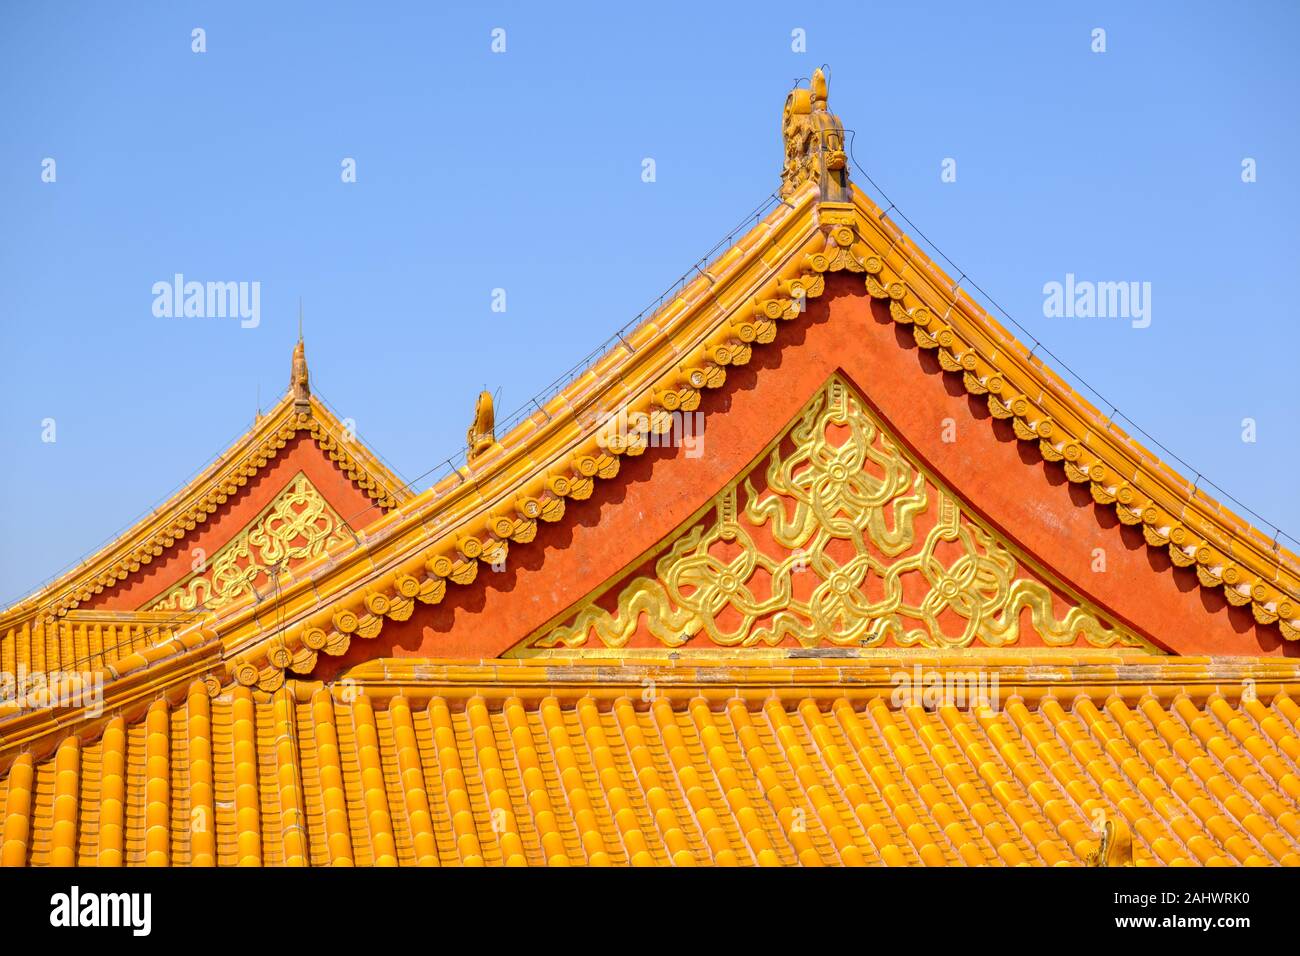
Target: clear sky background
x=523 y=170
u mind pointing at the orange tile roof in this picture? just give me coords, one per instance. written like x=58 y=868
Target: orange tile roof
x=776 y=762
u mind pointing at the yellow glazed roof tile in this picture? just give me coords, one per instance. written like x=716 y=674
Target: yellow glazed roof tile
x=827 y=766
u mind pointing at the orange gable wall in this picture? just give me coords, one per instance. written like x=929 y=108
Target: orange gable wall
x=300 y=453
x=1004 y=480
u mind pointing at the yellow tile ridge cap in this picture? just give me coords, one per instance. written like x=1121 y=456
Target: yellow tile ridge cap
x=103 y=694
x=1032 y=679
x=716 y=687
x=1046 y=668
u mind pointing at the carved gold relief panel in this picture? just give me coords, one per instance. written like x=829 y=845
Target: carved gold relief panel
x=837 y=538
x=298 y=524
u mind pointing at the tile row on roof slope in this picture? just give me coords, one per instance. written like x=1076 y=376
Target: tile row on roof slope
x=744 y=763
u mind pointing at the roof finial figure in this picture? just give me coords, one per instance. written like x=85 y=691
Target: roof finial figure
x=481 y=436
x=298 y=381
x=1115 y=848
x=814 y=143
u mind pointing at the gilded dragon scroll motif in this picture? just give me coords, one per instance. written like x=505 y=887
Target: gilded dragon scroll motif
x=298 y=524
x=848 y=543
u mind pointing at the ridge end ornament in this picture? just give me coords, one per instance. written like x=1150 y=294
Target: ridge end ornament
x=481 y=436
x=299 y=383
x=1115 y=846
x=814 y=143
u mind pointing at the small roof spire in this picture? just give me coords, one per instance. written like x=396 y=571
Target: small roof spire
x=299 y=384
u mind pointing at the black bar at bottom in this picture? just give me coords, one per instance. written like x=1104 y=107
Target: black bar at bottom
x=602 y=907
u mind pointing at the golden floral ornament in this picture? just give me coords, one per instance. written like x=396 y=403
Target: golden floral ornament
x=848 y=543
x=298 y=524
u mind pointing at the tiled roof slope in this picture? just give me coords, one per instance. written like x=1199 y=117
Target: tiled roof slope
x=84 y=643
x=773 y=762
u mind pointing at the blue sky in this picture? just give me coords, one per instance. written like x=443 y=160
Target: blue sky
x=522 y=171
